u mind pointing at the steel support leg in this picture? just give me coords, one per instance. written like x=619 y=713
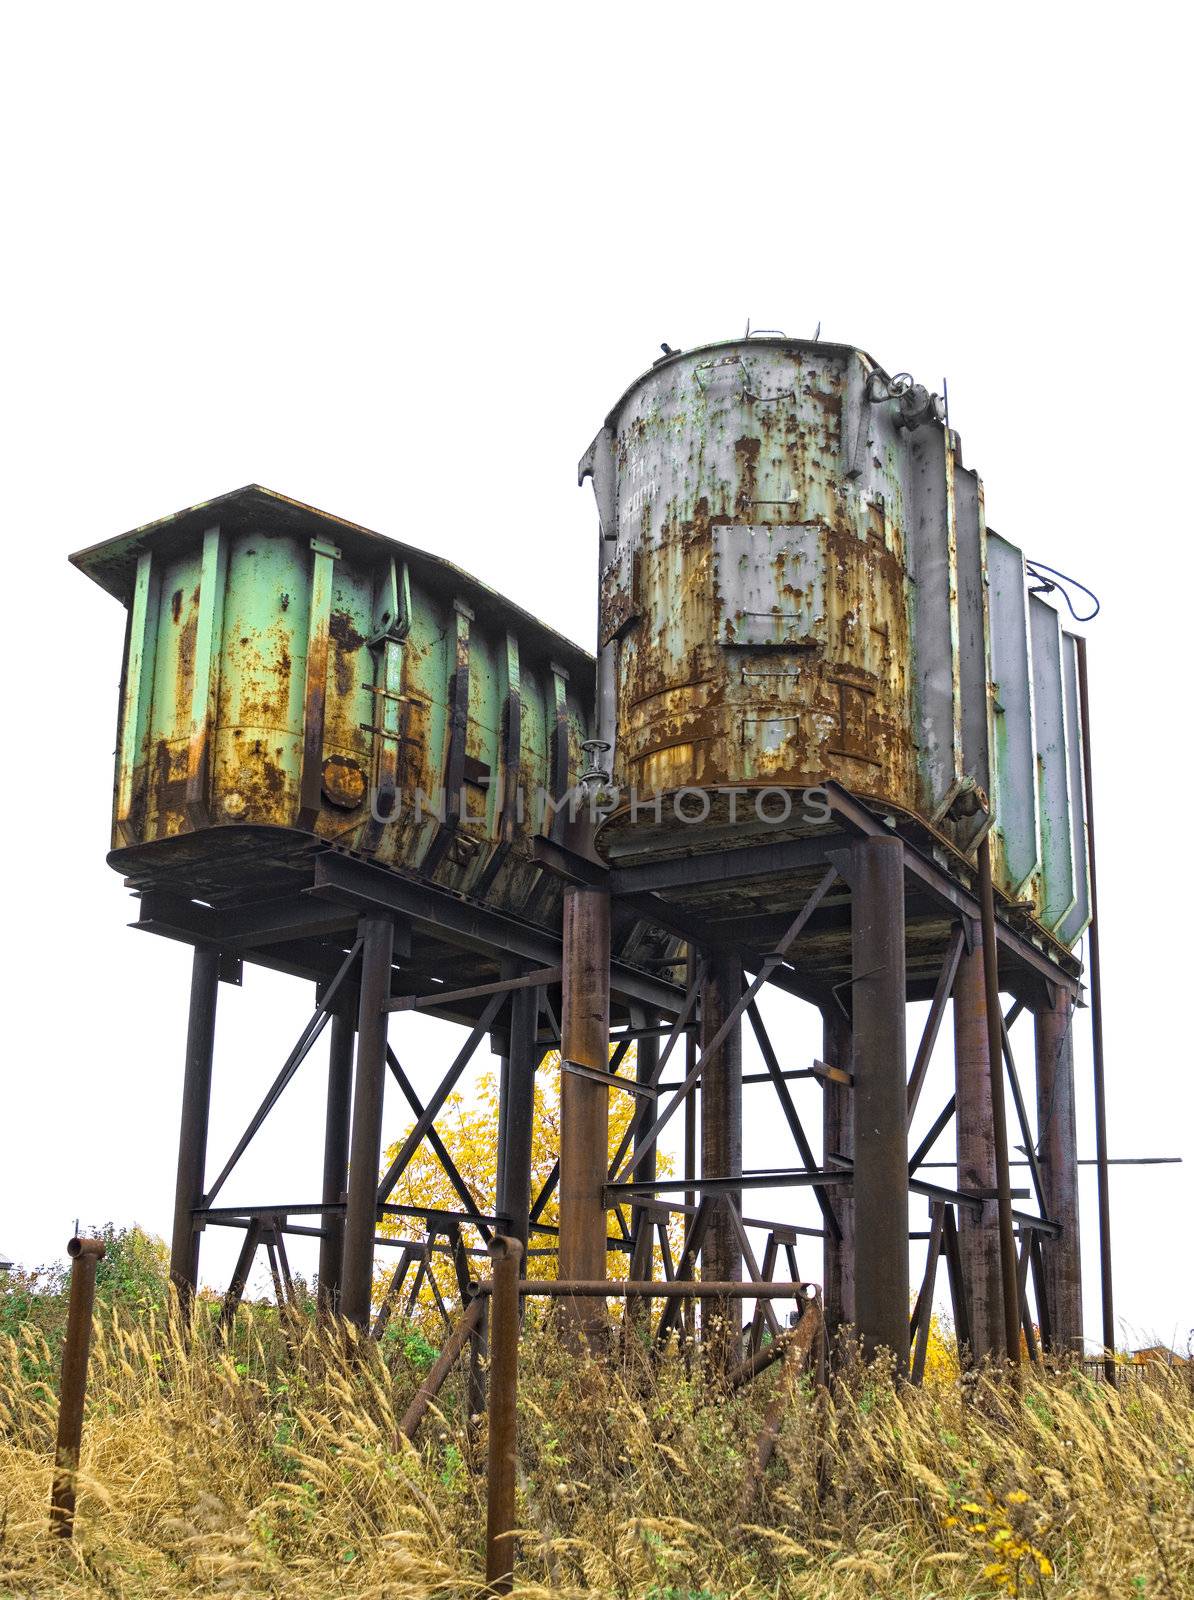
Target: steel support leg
x=721 y=1148
x=838 y=1050
x=880 y=1098
x=377 y=934
x=978 y=1232
x=335 y=1160
x=192 y=1137
x=584 y=1104
x=518 y=1120
x=1058 y=1140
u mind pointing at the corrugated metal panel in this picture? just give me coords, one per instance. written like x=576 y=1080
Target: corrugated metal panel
x=933 y=556
x=974 y=665
x=1077 y=919
x=1052 y=765
x=1014 y=789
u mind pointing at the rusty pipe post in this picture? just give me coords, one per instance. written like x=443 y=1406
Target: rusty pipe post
x=360 y=1221
x=192 y=1136
x=1057 y=1121
x=1003 y=1183
x=518 y=1106
x=584 y=1103
x=503 y=1413
x=721 y=1150
x=978 y=1230
x=838 y=1124
x=335 y=1161
x=1096 y=1028
x=85 y=1255
x=880 y=1097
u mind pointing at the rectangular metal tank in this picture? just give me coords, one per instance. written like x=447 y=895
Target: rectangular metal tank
x=287 y=670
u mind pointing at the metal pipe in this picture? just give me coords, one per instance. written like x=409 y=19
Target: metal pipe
x=1003 y=1183
x=85 y=1255
x=377 y=934
x=584 y=1103
x=721 y=1143
x=837 y=1047
x=1058 y=1124
x=514 y=1177
x=880 y=1097
x=655 y=1289
x=978 y=1227
x=192 y=1135
x=503 y=1414
x=335 y=1160
x=1096 y=1028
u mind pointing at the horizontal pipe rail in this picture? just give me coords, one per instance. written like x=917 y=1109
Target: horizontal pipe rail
x=654 y=1289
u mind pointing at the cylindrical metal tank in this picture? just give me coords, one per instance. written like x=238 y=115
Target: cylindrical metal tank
x=286 y=670
x=794 y=589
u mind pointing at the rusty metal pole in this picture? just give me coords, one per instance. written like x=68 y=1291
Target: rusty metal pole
x=584 y=1104
x=514 y=1174
x=974 y=1123
x=85 y=1255
x=837 y=1045
x=503 y=1413
x=880 y=1098
x=1058 y=1125
x=335 y=1160
x=1096 y=1027
x=721 y=1149
x=192 y=1136
x=1003 y=1183
x=360 y=1221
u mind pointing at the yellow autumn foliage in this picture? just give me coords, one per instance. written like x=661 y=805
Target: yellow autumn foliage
x=468 y=1127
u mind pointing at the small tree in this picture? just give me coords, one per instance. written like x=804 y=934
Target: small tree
x=469 y=1132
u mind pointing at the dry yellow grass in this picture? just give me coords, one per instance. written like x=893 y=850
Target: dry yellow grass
x=273 y=1469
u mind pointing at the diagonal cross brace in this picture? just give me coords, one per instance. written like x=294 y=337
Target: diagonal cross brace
x=770 y=962
x=793 y=1118
x=941 y=994
x=291 y=1065
x=451 y=1171
x=435 y=1105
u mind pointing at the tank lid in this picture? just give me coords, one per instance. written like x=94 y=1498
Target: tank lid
x=113 y=564
x=759 y=341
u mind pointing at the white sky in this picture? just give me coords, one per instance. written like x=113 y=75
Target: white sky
x=398 y=263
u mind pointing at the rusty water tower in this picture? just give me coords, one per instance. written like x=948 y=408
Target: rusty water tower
x=825 y=694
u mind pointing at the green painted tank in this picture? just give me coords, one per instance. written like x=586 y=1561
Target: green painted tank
x=292 y=680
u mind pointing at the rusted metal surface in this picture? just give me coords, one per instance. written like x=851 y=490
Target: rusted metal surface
x=285 y=669
x=503 y=1414
x=1058 y=1137
x=85 y=1255
x=794 y=588
x=360 y=1219
x=721 y=1143
x=880 y=1100
x=1007 y=1247
x=192 y=1137
x=978 y=1229
x=838 y=1138
x=584 y=1102
x=337 y=1125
